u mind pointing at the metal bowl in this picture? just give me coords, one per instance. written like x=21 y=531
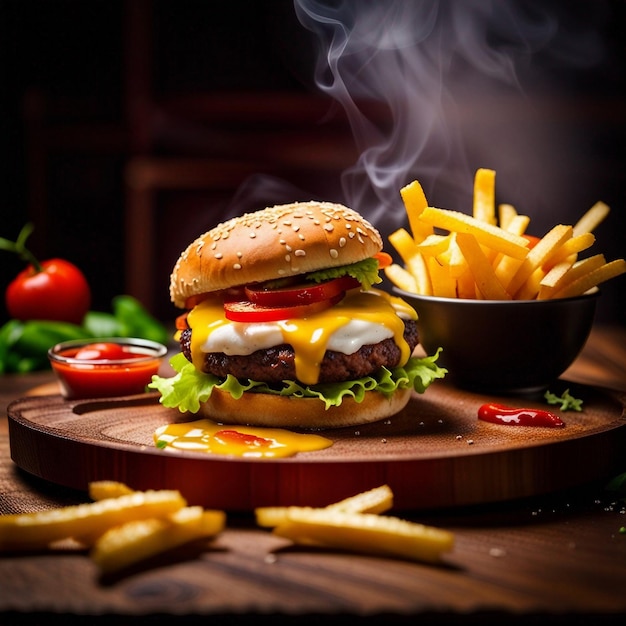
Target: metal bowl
x=504 y=346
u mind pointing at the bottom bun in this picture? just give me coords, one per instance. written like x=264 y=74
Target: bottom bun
x=259 y=409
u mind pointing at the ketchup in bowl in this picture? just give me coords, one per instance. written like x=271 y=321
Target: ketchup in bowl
x=105 y=367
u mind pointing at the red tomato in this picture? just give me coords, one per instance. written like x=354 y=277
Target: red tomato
x=300 y=294
x=104 y=351
x=250 y=312
x=58 y=292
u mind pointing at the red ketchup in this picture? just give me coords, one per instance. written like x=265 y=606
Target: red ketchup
x=104 y=370
x=512 y=416
x=244 y=439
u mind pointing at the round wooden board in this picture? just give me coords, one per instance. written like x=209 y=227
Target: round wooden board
x=435 y=453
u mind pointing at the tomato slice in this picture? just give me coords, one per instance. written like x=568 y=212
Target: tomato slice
x=384 y=259
x=251 y=312
x=181 y=322
x=296 y=295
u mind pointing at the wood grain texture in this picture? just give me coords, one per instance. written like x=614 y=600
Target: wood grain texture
x=435 y=453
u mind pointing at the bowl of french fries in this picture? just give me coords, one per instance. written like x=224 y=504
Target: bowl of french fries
x=510 y=311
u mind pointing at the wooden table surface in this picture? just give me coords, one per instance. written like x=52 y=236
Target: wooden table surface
x=559 y=558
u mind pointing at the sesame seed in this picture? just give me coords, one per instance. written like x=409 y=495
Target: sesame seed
x=342 y=242
x=300 y=253
x=252 y=235
x=287 y=258
x=329 y=227
x=236 y=266
x=333 y=253
x=218 y=255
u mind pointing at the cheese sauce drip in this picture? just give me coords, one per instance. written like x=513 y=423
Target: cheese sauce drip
x=243 y=441
x=361 y=318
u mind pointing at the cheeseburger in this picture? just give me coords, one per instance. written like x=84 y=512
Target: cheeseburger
x=284 y=326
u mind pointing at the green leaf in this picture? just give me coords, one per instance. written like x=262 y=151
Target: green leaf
x=101 y=324
x=136 y=320
x=617 y=484
x=567 y=401
x=365 y=271
x=189 y=387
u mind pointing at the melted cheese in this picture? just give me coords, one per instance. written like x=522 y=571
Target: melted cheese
x=244 y=441
x=361 y=318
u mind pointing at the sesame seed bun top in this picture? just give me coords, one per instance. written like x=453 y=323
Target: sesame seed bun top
x=276 y=242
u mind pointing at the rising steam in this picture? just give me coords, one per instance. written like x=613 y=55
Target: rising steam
x=426 y=63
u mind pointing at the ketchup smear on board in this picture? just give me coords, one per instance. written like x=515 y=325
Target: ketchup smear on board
x=512 y=416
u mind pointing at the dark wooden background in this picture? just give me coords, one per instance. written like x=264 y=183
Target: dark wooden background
x=87 y=88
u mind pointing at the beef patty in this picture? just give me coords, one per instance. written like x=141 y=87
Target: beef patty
x=276 y=364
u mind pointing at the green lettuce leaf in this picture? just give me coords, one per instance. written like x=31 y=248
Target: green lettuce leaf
x=365 y=271
x=188 y=388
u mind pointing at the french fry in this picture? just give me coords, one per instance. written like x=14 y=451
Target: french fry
x=84 y=522
x=506 y=212
x=553 y=279
x=570 y=249
x=401 y=278
x=517 y=225
x=465 y=285
x=103 y=489
x=487 y=234
x=404 y=244
x=377 y=500
x=592 y=218
x=366 y=533
x=417 y=266
x=434 y=245
x=480 y=268
x=575 y=272
x=453 y=258
x=593 y=279
x=542 y=251
x=442 y=283
x=407 y=248
x=484 y=207
x=415 y=202
x=138 y=540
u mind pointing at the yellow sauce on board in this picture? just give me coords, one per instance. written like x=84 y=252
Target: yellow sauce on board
x=242 y=441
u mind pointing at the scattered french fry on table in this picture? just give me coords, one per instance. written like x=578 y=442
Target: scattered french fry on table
x=356 y=524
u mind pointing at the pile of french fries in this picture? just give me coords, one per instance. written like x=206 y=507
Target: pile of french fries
x=355 y=525
x=122 y=527
x=489 y=256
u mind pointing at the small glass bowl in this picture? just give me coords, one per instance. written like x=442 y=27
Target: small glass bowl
x=106 y=377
